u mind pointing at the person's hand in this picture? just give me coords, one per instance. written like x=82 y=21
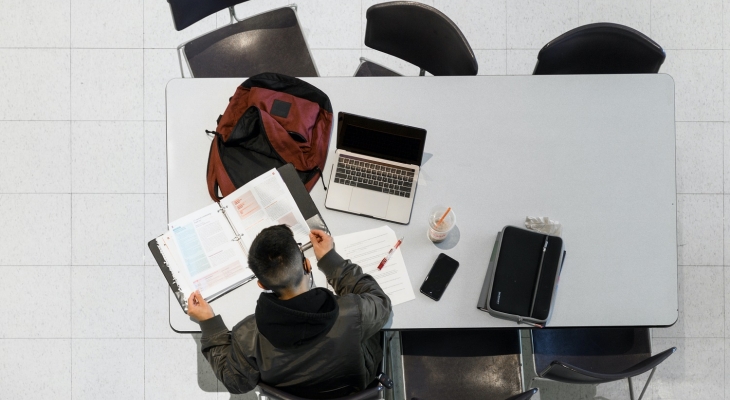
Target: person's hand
x=198 y=308
x=322 y=243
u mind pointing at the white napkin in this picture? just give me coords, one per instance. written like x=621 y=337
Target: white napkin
x=544 y=225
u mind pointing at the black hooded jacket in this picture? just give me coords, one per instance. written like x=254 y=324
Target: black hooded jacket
x=317 y=344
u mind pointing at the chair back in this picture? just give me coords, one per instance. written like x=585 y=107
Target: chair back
x=421 y=35
x=273 y=393
x=188 y=12
x=269 y=42
x=601 y=48
x=593 y=355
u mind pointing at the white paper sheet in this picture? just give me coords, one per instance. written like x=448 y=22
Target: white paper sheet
x=367 y=249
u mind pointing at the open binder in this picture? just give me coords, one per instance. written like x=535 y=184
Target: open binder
x=522 y=276
x=207 y=250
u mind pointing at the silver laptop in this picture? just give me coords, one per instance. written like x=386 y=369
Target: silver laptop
x=376 y=169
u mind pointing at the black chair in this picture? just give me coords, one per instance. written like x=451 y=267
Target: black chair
x=273 y=393
x=268 y=42
x=369 y=68
x=371 y=393
x=420 y=35
x=462 y=364
x=601 y=48
x=595 y=355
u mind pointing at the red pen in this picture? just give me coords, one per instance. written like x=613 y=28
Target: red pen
x=390 y=253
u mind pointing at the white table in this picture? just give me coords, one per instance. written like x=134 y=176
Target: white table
x=596 y=153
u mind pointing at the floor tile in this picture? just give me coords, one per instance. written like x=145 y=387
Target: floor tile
x=107 y=302
x=330 y=25
x=159 y=28
x=155 y=221
x=160 y=65
x=727 y=368
x=106 y=24
x=692 y=372
x=701 y=304
x=175 y=369
x=533 y=23
x=38 y=302
x=36 y=229
x=336 y=62
x=157 y=306
x=108 y=156
x=521 y=62
x=686 y=25
x=483 y=22
x=108 y=229
x=700 y=157
x=491 y=62
x=35 y=84
x=699 y=229
x=155 y=157
x=106 y=84
x=35 y=23
x=726 y=154
x=697 y=74
x=632 y=13
x=726 y=229
x=23 y=376
x=726 y=23
x=96 y=376
x=41 y=165
x=726 y=88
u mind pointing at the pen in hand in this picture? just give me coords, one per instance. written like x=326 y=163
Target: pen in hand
x=390 y=253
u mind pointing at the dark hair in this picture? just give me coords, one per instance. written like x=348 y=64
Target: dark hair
x=275 y=258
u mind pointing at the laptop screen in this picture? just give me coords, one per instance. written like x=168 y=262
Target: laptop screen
x=380 y=139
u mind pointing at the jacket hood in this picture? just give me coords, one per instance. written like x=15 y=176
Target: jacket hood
x=297 y=321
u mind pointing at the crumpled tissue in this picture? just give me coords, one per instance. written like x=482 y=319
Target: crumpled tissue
x=544 y=225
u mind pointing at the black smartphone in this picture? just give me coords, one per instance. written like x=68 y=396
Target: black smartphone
x=438 y=278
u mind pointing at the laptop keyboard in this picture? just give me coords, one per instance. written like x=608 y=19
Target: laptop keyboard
x=376 y=176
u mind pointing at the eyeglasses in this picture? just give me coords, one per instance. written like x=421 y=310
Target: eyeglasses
x=304 y=264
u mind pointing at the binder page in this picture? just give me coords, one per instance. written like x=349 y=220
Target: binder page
x=367 y=249
x=261 y=203
x=209 y=250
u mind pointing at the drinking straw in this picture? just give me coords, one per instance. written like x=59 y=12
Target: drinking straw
x=443 y=216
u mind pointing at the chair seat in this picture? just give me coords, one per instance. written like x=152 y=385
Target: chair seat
x=369 y=68
x=461 y=364
x=601 y=350
x=269 y=42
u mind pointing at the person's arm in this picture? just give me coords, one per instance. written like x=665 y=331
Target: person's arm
x=348 y=278
x=226 y=358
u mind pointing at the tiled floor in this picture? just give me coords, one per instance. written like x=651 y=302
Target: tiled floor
x=83 y=186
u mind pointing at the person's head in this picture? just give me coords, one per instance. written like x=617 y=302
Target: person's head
x=276 y=260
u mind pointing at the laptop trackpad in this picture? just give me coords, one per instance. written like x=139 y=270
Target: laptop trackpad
x=368 y=202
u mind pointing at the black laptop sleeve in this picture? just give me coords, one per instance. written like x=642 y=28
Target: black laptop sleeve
x=521 y=283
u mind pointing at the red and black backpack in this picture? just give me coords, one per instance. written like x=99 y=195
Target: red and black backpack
x=271 y=120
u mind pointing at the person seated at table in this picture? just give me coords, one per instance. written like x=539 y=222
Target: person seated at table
x=302 y=339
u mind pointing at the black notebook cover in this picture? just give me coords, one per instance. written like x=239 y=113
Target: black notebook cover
x=516 y=273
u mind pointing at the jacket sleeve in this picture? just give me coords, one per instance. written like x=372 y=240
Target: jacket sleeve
x=226 y=358
x=348 y=278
